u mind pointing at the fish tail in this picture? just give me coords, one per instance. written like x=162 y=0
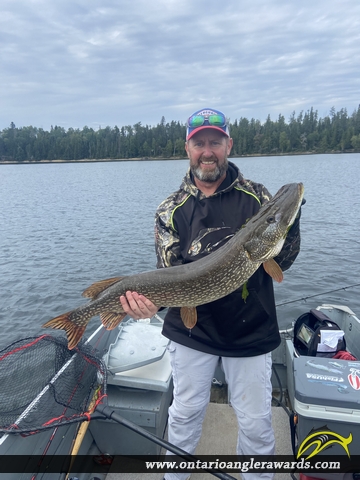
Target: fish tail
x=73 y=330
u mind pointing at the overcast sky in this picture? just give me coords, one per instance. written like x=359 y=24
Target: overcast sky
x=118 y=62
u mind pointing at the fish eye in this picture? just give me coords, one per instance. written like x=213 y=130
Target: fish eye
x=271 y=219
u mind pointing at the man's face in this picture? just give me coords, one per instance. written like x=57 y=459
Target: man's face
x=208 y=150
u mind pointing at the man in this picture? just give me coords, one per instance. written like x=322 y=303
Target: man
x=213 y=202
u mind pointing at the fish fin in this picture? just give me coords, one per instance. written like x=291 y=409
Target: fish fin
x=244 y=292
x=96 y=288
x=111 y=320
x=73 y=331
x=274 y=270
x=188 y=316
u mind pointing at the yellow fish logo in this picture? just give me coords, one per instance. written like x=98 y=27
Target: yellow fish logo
x=320 y=440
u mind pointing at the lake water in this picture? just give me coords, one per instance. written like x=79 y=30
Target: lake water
x=64 y=226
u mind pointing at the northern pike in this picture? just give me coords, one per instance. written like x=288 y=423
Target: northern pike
x=192 y=284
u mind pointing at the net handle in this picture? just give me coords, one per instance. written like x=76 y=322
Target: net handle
x=109 y=413
x=81 y=434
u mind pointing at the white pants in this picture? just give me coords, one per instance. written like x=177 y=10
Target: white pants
x=249 y=382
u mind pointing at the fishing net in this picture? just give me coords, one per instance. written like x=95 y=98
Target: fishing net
x=44 y=384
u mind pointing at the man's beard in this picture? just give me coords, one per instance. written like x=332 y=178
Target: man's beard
x=209 y=175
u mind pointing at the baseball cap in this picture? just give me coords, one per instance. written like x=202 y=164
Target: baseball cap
x=207 y=118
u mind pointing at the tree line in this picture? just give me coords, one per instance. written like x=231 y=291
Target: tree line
x=302 y=133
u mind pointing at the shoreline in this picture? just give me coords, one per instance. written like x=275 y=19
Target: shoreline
x=151 y=159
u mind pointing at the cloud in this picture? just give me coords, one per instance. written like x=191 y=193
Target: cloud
x=76 y=63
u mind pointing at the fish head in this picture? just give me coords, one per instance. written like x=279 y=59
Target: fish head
x=267 y=230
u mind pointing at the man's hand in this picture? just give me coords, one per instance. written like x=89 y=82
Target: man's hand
x=138 y=306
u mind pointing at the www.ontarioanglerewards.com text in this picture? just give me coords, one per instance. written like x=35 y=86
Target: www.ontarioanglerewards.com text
x=245 y=466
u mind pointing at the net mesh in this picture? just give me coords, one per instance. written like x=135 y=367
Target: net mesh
x=43 y=384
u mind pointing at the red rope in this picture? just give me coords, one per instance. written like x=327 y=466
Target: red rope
x=23 y=347
x=52 y=420
x=99 y=400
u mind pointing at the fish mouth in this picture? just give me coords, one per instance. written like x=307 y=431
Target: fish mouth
x=289 y=209
x=301 y=191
